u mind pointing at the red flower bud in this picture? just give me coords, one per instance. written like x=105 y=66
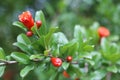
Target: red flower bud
x=57 y=62
x=29 y=33
x=27 y=19
x=69 y=58
x=65 y=74
x=103 y=32
x=38 y=23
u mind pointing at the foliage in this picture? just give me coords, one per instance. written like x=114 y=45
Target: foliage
x=93 y=57
x=91 y=60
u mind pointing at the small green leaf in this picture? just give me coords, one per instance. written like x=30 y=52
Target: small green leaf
x=112 y=68
x=2 y=54
x=88 y=47
x=2 y=69
x=59 y=38
x=26 y=70
x=20 y=25
x=46 y=52
x=20 y=57
x=49 y=35
x=23 y=47
x=97 y=75
x=36 y=57
x=78 y=31
x=69 y=48
x=40 y=16
x=65 y=65
x=22 y=38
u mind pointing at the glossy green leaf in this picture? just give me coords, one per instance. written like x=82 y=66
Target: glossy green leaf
x=2 y=69
x=69 y=48
x=23 y=47
x=40 y=16
x=59 y=38
x=36 y=57
x=2 y=54
x=65 y=65
x=20 y=57
x=88 y=47
x=49 y=35
x=97 y=75
x=22 y=38
x=20 y=25
x=26 y=70
x=78 y=31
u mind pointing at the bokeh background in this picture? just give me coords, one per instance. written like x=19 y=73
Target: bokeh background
x=63 y=13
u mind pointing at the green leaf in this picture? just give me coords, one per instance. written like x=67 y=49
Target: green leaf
x=65 y=65
x=23 y=47
x=69 y=48
x=40 y=42
x=26 y=70
x=97 y=75
x=74 y=70
x=2 y=69
x=2 y=54
x=104 y=45
x=20 y=57
x=38 y=56
x=49 y=35
x=88 y=48
x=112 y=68
x=40 y=16
x=59 y=38
x=20 y=25
x=22 y=38
x=79 y=35
x=78 y=31
x=110 y=51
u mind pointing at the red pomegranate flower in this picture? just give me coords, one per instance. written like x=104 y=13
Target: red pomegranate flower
x=27 y=19
x=103 y=32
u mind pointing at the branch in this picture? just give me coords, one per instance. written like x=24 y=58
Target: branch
x=2 y=62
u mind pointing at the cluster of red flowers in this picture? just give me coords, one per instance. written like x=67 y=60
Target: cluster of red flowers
x=28 y=21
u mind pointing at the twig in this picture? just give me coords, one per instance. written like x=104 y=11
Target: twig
x=7 y=62
x=108 y=76
x=86 y=67
x=3 y=62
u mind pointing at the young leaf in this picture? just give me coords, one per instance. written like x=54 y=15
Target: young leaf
x=20 y=25
x=23 y=47
x=78 y=31
x=20 y=57
x=26 y=70
x=69 y=48
x=88 y=48
x=22 y=38
x=2 y=69
x=49 y=35
x=65 y=65
x=40 y=16
x=59 y=38
x=2 y=54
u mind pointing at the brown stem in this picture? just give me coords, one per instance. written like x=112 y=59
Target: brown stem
x=3 y=63
x=108 y=76
x=86 y=67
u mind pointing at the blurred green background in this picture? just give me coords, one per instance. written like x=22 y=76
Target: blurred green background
x=63 y=13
